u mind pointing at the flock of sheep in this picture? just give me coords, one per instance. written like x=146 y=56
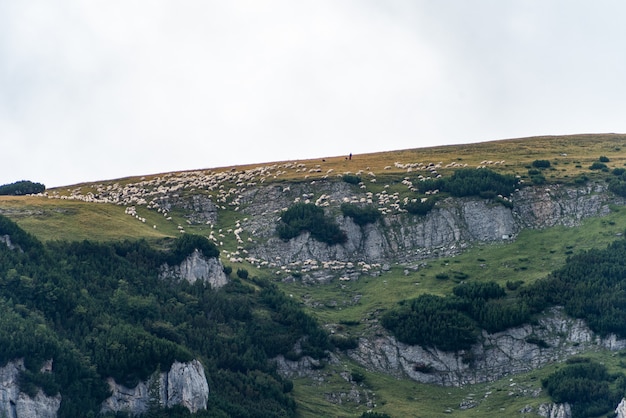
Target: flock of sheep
x=225 y=188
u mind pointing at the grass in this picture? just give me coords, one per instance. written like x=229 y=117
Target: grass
x=405 y=398
x=517 y=154
x=533 y=255
x=353 y=307
x=56 y=219
x=570 y=156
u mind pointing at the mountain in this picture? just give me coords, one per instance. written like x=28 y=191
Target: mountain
x=476 y=280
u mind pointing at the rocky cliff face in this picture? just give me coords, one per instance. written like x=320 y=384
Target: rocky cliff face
x=555 y=410
x=542 y=207
x=185 y=384
x=199 y=208
x=497 y=355
x=451 y=225
x=16 y=404
x=197 y=267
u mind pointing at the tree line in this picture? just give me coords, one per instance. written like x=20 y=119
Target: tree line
x=22 y=187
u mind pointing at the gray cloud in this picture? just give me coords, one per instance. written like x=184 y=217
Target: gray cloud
x=105 y=89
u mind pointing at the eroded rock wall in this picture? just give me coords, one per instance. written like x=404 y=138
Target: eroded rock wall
x=16 y=404
x=497 y=355
x=185 y=384
x=197 y=267
x=453 y=224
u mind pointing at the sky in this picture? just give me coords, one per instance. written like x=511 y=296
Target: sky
x=104 y=89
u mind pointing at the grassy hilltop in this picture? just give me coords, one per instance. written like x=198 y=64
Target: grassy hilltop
x=570 y=157
x=79 y=212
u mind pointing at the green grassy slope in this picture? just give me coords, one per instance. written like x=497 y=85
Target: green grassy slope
x=531 y=256
x=570 y=156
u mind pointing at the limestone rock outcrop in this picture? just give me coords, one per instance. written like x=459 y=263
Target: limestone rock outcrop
x=15 y=403
x=199 y=209
x=185 y=384
x=555 y=410
x=197 y=267
x=453 y=224
x=497 y=355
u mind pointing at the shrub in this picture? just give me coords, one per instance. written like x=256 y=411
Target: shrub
x=432 y=321
x=538 y=179
x=586 y=386
x=302 y=217
x=541 y=164
x=344 y=343
x=471 y=182
x=420 y=208
x=618 y=171
x=597 y=166
x=581 y=179
x=487 y=194
x=187 y=244
x=604 y=159
x=351 y=178
x=357 y=376
x=514 y=285
x=228 y=270
x=479 y=290
x=459 y=275
x=361 y=215
x=618 y=187
x=242 y=273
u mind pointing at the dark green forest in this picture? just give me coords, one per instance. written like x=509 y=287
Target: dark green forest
x=90 y=305
x=22 y=187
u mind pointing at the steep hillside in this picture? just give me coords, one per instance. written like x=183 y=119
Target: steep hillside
x=366 y=246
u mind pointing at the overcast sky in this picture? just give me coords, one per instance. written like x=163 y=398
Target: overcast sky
x=102 y=89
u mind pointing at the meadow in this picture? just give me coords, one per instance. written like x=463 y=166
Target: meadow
x=348 y=307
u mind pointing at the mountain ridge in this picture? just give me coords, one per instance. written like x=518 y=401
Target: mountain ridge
x=238 y=209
